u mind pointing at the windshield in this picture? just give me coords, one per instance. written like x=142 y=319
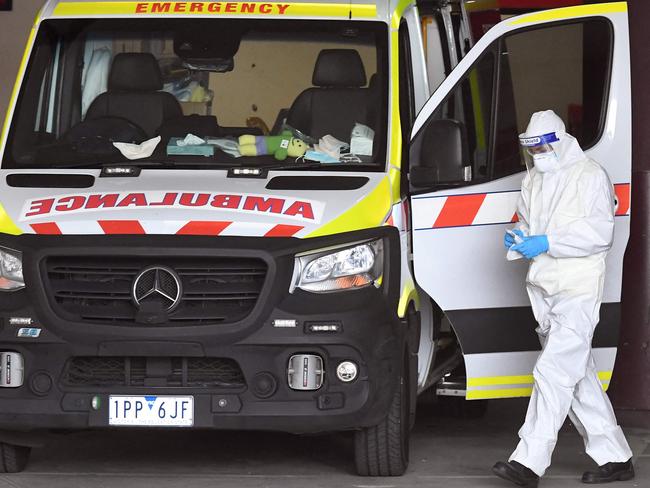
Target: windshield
x=203 y=92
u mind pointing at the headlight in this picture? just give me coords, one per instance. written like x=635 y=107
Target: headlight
x=11 y=269
x=351 y=267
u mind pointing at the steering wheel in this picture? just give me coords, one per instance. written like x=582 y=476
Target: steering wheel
x=96 y=136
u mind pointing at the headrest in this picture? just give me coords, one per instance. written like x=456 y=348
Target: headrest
x=135 y=72
x=373 y=84
x=339 y=68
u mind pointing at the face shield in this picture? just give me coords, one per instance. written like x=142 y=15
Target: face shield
x=538 y=152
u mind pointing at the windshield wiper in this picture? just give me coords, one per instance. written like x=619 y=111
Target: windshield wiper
x=309 y=164
x=145 y=163
x=344 y=165
x=287 y=166
x=259 y=171
x=263 y=171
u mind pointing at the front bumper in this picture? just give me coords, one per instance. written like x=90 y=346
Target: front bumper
x=372 y=336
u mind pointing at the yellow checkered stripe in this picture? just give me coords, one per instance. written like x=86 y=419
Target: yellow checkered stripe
x=487 y=387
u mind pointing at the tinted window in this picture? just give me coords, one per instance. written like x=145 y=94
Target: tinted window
x=563 y=67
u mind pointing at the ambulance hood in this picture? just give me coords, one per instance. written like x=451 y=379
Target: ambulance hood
x=193 y=203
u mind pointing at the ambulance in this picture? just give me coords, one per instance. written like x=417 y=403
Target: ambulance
x=155 y=276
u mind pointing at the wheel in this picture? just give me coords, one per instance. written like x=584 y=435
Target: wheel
x=13 y=459
x=383 y=450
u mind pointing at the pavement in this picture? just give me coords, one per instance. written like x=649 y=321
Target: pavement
x=447 y=451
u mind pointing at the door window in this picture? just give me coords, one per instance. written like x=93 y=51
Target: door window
x=563 y=67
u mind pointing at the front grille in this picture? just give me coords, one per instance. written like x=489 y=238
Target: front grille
x=98 y=289
x=105 y=372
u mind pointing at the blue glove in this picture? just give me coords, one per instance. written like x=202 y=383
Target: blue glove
x=509 y=240
x=532 y=246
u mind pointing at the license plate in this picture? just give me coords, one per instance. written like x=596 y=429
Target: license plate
x=151 y=411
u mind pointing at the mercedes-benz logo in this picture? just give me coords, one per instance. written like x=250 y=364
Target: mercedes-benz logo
x=158 y=283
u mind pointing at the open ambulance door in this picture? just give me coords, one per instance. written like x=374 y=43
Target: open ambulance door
x=465 y=173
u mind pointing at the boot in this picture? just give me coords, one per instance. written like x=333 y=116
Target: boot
x=516 y=473
x=610 y=472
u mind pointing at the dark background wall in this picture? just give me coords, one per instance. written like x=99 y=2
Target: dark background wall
x=631 y=382
x=14 y=30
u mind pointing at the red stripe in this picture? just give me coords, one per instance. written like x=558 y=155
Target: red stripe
x=623 y=195
x=203 y=228
x=121 y=226
x=459 y=210
x=282 y=230
x=46 y=228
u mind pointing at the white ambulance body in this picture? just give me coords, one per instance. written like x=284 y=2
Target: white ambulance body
x=195 y=286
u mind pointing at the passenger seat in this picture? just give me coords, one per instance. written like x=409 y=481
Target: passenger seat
x=134 y=85
x=337 y=99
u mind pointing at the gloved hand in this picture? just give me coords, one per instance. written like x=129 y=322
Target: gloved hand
x=509 y=240
x=532 y=246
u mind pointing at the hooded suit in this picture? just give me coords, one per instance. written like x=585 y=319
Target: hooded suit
x=571 y=201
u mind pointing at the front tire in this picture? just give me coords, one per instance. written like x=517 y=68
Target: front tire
x=383 y=450
x=13 y=459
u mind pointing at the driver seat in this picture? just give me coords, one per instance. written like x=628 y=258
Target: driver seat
x=134 y=85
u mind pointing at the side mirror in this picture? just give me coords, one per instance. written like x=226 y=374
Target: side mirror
x=442 y=155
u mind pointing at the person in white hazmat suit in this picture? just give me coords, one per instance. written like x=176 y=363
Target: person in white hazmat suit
x=565 y=228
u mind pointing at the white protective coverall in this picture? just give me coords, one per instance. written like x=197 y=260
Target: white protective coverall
x=572 y=203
